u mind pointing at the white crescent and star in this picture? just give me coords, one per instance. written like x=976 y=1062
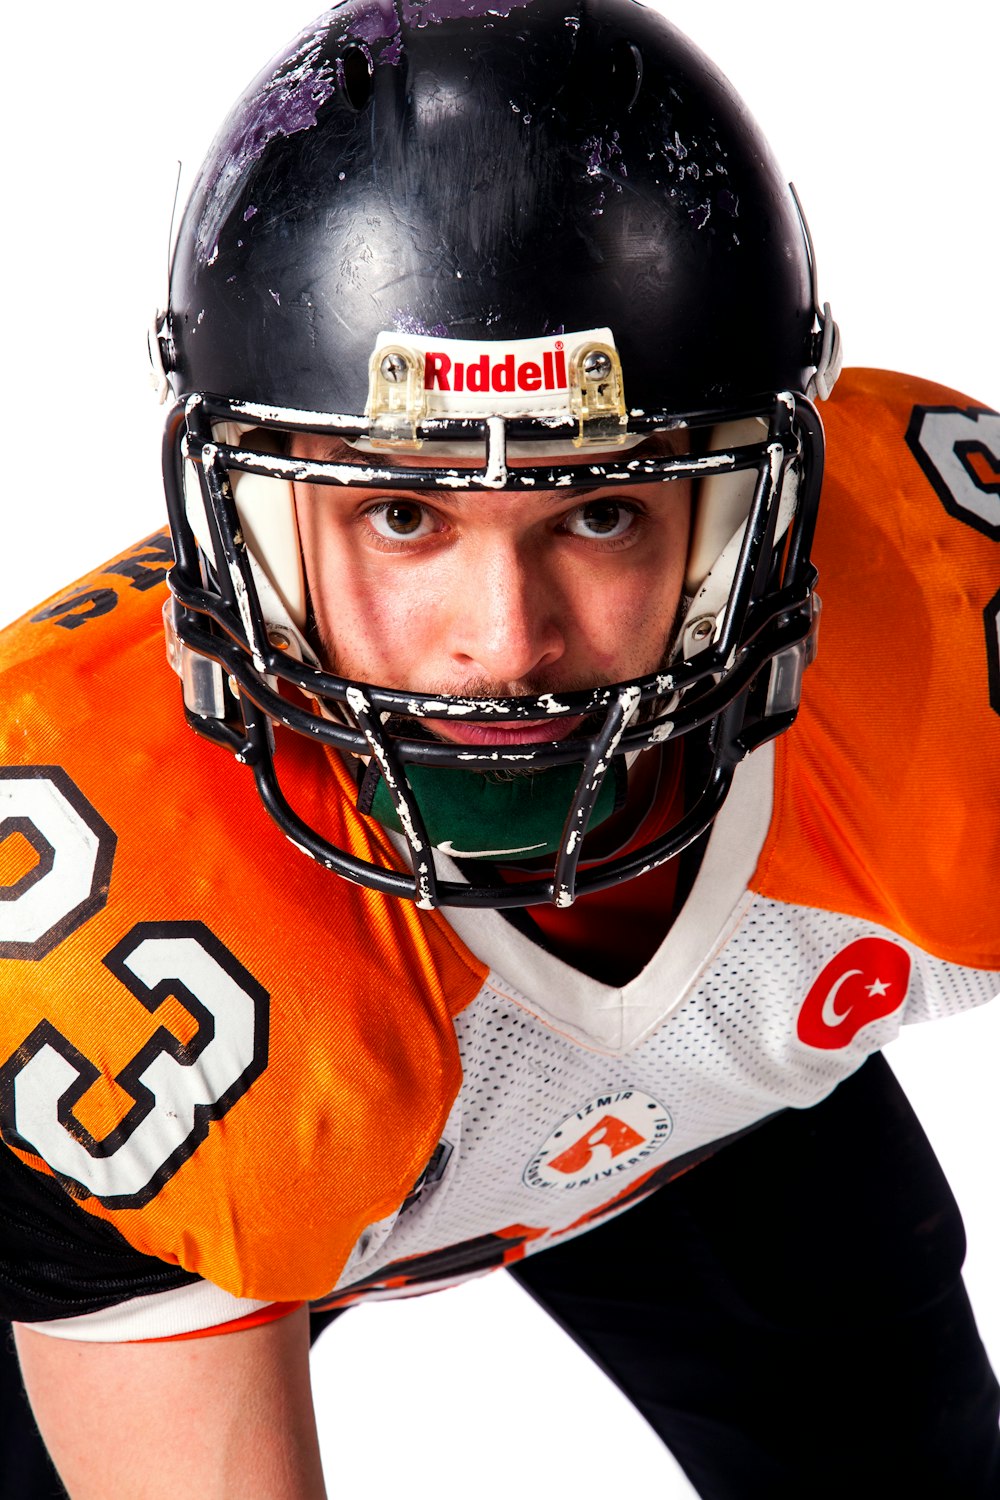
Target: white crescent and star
x=834 y=1017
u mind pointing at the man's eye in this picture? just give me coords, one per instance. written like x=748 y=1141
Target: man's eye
x=600 y=518
x=400 y=519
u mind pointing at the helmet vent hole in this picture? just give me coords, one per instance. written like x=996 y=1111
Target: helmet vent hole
x=626 y=72
x=356 y=77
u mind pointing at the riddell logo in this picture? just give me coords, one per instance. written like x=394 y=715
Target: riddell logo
x=505 y=376
x=612 y=1134
x=864 y=982
x=480 y=378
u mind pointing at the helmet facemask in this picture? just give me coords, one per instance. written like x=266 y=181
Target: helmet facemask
x=239 y=560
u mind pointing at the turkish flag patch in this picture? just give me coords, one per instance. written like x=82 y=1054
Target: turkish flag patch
x=863 y=982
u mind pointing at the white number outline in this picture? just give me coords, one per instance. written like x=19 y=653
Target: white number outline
x=941 y=439
x=952 y=459
x=177 y=1089
x=74 y=864
x=47 y=1075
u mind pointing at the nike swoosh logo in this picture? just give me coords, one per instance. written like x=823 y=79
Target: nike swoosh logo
x=447 y=848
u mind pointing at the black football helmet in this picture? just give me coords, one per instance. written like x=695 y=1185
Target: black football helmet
x=565 y=201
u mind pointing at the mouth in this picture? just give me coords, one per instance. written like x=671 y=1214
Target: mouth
x=523 y=732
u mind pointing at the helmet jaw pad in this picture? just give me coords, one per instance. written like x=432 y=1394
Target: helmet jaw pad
x=722 y=506
x=265 y=507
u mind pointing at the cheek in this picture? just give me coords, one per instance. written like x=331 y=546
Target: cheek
x=365 y=627
x=639 y=620
x=630 y=616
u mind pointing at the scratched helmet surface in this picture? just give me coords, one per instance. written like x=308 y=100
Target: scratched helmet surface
x=461 y=185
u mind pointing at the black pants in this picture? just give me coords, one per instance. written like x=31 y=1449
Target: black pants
x=789 y=1317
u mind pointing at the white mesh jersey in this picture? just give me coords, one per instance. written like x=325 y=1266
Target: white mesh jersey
x=578 y=1098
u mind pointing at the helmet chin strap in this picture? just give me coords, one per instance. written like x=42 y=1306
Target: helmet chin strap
x=480 y=815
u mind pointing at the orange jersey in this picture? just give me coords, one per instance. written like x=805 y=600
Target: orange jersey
x=295 y=1088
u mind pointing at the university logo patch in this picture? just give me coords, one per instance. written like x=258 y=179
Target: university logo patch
x=863 y=982
x=606 y=1138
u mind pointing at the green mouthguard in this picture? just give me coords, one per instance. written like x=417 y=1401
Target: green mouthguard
x=476 y=815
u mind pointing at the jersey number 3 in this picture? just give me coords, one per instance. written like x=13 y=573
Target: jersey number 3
x=178 y=1088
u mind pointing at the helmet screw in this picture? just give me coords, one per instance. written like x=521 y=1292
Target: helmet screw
x=279 y=640
x=394 y=368
x=702 y=629
x=596 y=365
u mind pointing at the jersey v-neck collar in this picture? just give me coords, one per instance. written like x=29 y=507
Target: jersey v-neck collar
x=613 y=1019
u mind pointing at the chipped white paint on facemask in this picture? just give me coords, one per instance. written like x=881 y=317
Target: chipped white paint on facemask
x=209 y=455
x=629 y=701
x=496 y=755
x=448 y=708
x=495 y=475
x=360 y=706
x=292 y=416
x=243 y=605
x=421 y=873
x=357 y=701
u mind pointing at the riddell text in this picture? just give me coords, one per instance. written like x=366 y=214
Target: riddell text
x=442 y=373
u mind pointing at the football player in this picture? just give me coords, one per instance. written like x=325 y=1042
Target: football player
x=493 y=461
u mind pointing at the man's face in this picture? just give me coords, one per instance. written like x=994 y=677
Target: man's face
x=485 y=594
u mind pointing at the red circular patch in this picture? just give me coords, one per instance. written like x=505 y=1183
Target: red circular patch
x=865 y=981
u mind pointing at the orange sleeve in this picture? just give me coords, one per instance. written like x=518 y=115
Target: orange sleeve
x=887 y=795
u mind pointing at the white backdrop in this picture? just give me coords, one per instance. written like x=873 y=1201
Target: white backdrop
x=888 y=125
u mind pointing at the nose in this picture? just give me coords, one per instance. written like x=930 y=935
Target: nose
x=507 y=620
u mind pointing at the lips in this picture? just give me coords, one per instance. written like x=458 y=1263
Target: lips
x=522 y=732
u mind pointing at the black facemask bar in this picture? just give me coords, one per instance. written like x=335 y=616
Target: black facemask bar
x=735 y=694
